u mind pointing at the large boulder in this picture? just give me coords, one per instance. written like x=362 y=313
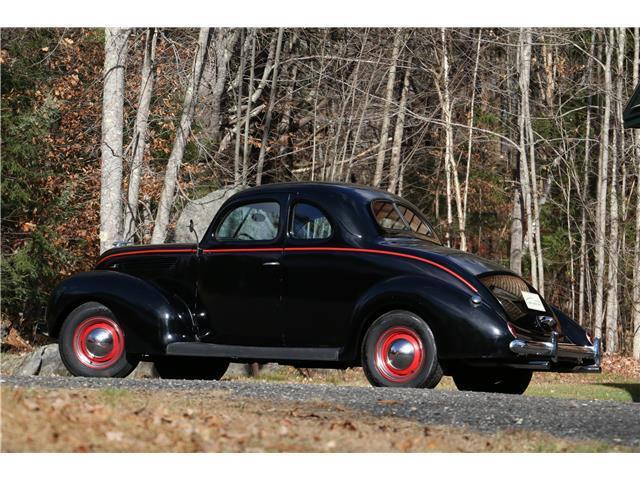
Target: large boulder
x=43 y=361
x=201 y=211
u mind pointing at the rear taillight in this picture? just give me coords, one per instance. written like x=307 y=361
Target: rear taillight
x=589 y=338
x=512 y=329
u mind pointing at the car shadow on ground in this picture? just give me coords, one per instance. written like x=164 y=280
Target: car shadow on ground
x=632 y=388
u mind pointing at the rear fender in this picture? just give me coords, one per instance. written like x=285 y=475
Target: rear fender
x=460 y=329
x=572 y=329
x=151 y=318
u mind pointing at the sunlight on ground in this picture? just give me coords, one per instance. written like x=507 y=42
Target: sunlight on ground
x=603 y=386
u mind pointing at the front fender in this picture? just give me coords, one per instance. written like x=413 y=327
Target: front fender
x=460 y=329
x=150 y=317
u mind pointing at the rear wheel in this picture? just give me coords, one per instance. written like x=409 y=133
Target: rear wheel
x=496 y=380
x=92 y=343
x=399 y=351
x=191 y=368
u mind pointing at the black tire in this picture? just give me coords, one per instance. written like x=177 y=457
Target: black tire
x=495 y=380
x=419 y=368
x=191 y=368
x=75 y=350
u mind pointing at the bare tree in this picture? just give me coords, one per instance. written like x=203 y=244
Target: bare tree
x=614 y=238
x=182 y=135
x=140 y=127
x=635 y=305
x=601 y=200
x=463 y=219
x=269 y=115
x=115 y=55
x=237 y=174
x=584 y=258
x=524 y=52
x=247 y=117
x=398 y=133
x=384 y=129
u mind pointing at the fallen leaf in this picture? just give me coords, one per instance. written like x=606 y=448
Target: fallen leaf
x=162 y=439
x=30 y=404
x=114 y=436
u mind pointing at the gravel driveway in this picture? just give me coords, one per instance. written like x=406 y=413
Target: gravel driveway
x=611 y=422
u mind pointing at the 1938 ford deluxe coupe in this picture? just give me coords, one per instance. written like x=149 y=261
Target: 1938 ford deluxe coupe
x=315 y=275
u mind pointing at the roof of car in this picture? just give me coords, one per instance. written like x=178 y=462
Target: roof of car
x=360 y=190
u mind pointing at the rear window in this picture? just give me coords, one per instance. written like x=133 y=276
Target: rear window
x=397 y=217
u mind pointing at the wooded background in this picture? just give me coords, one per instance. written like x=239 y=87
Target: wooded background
x=510 y=140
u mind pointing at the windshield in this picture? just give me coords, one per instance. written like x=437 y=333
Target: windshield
x=399 y=218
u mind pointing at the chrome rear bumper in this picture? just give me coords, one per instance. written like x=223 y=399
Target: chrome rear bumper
x=587 y=357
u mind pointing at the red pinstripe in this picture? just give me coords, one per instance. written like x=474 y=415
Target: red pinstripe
x=141 y=252
x=300 y=249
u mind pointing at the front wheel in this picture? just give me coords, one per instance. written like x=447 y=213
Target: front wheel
x=399 y=351
x=92 y=343
x=191 y=368
x=495 y=380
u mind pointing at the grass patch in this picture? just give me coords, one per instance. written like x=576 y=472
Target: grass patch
x=604 y=386
x=618 y=392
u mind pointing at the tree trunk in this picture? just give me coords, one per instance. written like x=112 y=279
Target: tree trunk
x=237 y=175
x=601 y=202
x=463 y=220
x=524 y=52
x=614 y=236
x=450 y=166
x=247 y=118
x=284 y=128
x=384 y=129
x=396 y=148
x=116 y=47
x=147 y=78
x=269 y=115
x=180 y=142
x=215 y=75
x=515 y=256
x=635 y=308
x=584 y=194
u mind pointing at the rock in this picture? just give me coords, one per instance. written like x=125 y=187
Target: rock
x=52 y=365
x=144 y=370
x=43 y=361
x=201 y=211
x=30 y=365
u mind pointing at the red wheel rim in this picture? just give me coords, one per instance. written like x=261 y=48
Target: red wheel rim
x=98 y=342
x=399 y=354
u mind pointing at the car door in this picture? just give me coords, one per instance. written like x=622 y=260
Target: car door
x=240 y=276
x=319 y=285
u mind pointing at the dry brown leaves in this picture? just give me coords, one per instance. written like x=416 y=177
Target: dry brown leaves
x=619 y=365
x=119 y=421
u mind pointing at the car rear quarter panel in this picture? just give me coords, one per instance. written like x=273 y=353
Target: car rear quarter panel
x=461 y=331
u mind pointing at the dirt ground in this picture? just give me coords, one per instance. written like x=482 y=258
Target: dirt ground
x=115 y=420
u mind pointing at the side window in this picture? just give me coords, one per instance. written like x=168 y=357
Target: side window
x=387 y=216
x=309 y=223
x=255 y=221
x=414 y=221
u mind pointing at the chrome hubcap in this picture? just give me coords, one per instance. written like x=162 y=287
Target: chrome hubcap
x=99 y=342
x=401 y=354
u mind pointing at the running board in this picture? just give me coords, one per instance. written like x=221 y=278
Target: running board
x=198 y=349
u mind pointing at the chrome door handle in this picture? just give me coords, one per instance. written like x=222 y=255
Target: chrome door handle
x=271 y=264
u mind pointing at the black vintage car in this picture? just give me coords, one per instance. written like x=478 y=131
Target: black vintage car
x=315 y=275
